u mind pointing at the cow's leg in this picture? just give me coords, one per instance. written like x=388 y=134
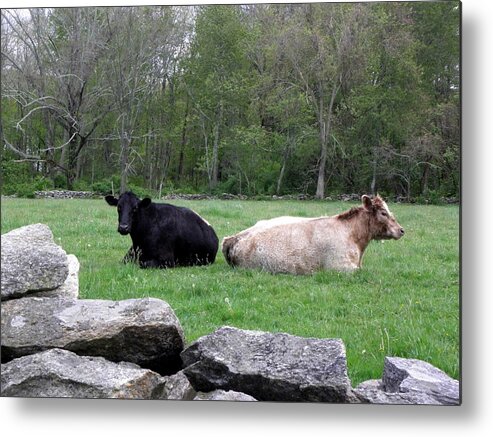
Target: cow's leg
x=132 y=256
x=163 y=261
x=150 y=263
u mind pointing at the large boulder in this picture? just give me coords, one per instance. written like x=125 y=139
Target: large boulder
x=31 y=261
x=269 y=367
x=142 y=331
x=407 y=375
x=59 y=373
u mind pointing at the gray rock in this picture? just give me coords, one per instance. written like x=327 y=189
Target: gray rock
x=269 y=367
x=142 y=331
x=70 y=288
x=372 y=392
x=31 y=261
x=60 y=373
x=222 y=395
x=406 y=375
x=64 y=194
x=175 y=387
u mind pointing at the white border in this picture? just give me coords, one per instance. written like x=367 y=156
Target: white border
x=139 y=418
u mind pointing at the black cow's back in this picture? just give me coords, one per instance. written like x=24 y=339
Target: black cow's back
x=168 y=236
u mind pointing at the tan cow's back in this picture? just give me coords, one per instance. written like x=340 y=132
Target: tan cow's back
x=293 y=245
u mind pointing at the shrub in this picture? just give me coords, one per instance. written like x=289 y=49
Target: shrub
x=107 y=186
x=60 y=182
x=140 y=191
x=82 y=186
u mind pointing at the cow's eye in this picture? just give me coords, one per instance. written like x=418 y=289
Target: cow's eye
x=384 y=214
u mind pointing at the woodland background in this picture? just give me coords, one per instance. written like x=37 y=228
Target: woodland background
x=255 y=99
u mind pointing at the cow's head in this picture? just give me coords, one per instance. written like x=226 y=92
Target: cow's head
x=383 y=225
x=128 y=204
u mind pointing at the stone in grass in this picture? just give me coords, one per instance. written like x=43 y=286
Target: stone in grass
x=407 y=375
x=223 y=395
x=141 y=331
x=31 y=261
x=59 y=374
x=269 y=367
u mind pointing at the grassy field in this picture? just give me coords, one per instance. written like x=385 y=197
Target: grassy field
x=403 y=302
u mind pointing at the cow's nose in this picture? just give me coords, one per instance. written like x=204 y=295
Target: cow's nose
x=402 y=231
x=123 y=228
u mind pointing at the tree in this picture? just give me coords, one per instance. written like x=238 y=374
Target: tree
x=324 y=44
x=61 y=49
x=215 y=78
x=385 y=107
x=134 y=45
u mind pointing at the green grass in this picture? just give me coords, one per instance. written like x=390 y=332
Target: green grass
x=403 y=302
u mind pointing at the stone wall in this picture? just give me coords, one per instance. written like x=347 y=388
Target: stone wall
x=67 y=194
x=56 y=345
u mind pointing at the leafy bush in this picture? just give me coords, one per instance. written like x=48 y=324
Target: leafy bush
x=107 y=186
x=60 y=182
x=13 y=175
x=230 y=185
x=102 y=187
x=432 y=197
x=82 y=186
x=27 y=189
x=140 y=192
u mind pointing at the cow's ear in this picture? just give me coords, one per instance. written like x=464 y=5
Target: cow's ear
x=366 y=202
x=145 y=202
x=111 y=200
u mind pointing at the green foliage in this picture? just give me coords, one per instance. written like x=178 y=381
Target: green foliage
x=107 y=186
x=18 y=180
x=140 y=192
x=28 y=189
x=60 y=182
x=404 y=301
x=14 y=174
x=239 y=94
x=82 y=185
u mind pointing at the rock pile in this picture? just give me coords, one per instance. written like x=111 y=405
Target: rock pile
x=65 y=194
x=56 y=345
x=223 y=196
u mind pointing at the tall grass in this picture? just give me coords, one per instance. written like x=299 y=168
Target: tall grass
x=403 y=302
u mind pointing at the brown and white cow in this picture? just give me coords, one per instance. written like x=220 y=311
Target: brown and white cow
x=304 y=245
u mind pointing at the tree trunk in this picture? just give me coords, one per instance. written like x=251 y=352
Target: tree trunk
x=286 y=154
x=320 y=193
x=281 y=177
x=424 y=179
x=215 y=147
x=373 y=184
x=183 y=141
x=324 y=132
x=73 y=151
x=125 y=148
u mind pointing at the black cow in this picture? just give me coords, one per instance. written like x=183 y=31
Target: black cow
x=164 y=235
